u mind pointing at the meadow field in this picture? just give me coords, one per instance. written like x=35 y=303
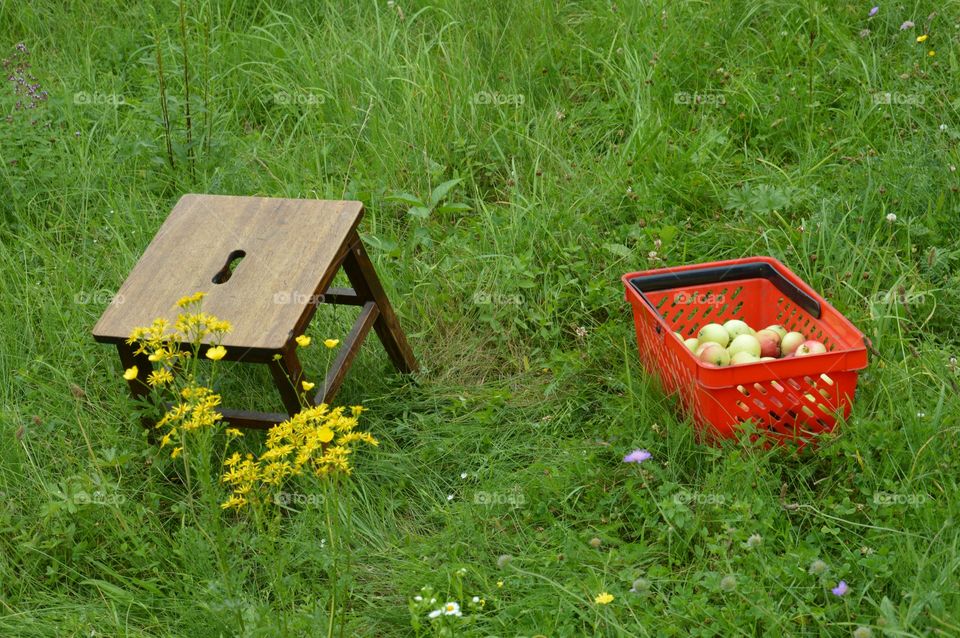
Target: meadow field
x=515 y=159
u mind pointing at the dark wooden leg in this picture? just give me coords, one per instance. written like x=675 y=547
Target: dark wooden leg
x=287 y=374
x=138 y=385
x=349 y=349
x=365 y=282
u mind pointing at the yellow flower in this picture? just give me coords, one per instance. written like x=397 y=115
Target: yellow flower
x=234 y=501
x=307 y=386
x=216 y=353
x=176 y=452
x=303 y=341
x=191 y=299
x=234 y=432
x=603 y=599
x=325 y=435
x=159 y=377
x=932 y=53
x=331 y=343
x=922 y=38
x=131 y=373
x=499 y=583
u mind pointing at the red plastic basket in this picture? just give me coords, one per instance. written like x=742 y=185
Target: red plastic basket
x=791 y=399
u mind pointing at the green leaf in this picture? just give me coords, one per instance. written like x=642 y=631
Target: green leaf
x=453 y=208
x=618 y=249
x=405 y=198
x=441 y=191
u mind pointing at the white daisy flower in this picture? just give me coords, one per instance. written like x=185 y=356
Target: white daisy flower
x=463 y=475
x=435 y=613
x=452 y=609
x=418 y=598
x=476 y=599
x=891 y=217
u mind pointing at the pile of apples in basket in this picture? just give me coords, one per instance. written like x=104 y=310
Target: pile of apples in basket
x=736 y=343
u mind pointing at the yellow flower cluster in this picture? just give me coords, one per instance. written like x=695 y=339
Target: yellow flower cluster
x=194 y=406
x=317 y=439
x=197 y=410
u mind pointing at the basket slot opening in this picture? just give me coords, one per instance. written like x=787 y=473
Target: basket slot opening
x=774 y=400
x=776 y=386
x=743 y=406
x=736 y=292
x=760 y=404
x=742 y=390
x=827 y=379
x=760 y=388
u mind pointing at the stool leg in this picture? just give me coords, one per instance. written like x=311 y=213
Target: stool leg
x=138 y=385
x=287 y=374
x=365 y=282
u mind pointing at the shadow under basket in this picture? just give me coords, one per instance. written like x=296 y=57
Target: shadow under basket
x=792 y=399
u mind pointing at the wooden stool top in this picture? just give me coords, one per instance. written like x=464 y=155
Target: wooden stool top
x=289 y=251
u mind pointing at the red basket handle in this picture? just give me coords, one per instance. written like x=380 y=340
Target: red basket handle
x=720 y=274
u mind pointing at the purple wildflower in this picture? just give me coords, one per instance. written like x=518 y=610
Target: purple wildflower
x=637 y=456
x=873 y=12
x=840 y=589
x=906 y=25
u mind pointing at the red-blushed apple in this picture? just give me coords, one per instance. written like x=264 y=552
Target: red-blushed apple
x=769 y=343
x=768 y=358
x=743 y=357
x=745 y=343
x=735 y=328
x=810 y=347
x=691 y=343
x=714 y=332
x=790 y=342
x=716 y=355
x=780 y=330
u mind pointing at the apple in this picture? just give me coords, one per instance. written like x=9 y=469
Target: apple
x=810 y=347
x=768 y=358
x=780 y=330
x=679 y=336
x=714 y=332
x=790 y=342
x=735 y=328
x=745 y=343
x=691 y=343
x=743 y=357
x=769 y=343
x=716 y=354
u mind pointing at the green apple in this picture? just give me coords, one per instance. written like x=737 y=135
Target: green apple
x=790 y=342
x=692 y=343
x=735 y=328
x=743 y=357
x=716 y=354
x=745 y=343
x=780 y=330
x=810 y=347
x=714 y=332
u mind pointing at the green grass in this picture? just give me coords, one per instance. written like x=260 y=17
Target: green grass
x=570 y=128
